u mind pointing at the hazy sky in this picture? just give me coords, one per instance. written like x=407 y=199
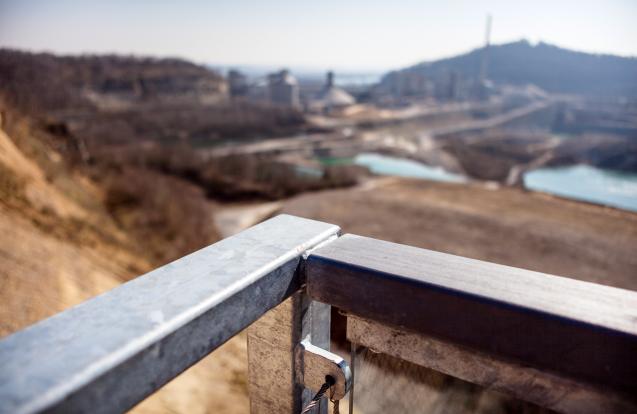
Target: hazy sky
x=355 y=35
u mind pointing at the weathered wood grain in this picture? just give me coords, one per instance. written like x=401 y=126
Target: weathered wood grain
x=572 y=328
x=275 y=368
x=523 y=382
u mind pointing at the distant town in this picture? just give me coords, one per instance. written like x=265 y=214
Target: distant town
x=466 y=79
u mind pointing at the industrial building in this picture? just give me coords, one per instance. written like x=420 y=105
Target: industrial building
x=331 y=98
x=283 y=89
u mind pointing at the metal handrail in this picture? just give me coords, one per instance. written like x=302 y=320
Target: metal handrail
x=109 y=353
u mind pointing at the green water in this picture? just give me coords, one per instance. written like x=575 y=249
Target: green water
x=327 y=161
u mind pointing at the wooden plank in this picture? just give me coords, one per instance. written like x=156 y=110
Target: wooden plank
x=526 y=383
x=274 y=367
x=271 y=372
x=572 y=328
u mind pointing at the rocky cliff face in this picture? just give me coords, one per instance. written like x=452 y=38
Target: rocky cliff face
x=57 y=250
x=50 y=83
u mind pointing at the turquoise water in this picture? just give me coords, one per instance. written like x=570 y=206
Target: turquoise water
x=583 y=182
x=578 y=182
x=386 y=165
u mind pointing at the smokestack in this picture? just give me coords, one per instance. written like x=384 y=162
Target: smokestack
x=330 y=79
x=485 y=51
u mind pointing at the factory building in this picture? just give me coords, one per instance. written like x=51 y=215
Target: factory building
x=409 y=84
x=283 y=89
x=331 y=98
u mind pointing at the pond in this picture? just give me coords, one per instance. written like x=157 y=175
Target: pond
x=402 y=167
x=578 y=182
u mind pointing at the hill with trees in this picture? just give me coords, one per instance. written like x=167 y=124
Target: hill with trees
x=550 y=67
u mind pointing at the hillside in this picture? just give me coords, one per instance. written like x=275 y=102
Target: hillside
x=66 y=238
x=552 y=68
x=49 y=83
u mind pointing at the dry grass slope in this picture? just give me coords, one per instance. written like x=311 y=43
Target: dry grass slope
x=57 y=251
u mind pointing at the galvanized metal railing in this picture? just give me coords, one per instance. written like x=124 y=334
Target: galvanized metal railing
x=560 y=343
x=111 y=352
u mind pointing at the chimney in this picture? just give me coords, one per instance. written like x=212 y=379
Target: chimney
x=330 y=79
x=484 y=63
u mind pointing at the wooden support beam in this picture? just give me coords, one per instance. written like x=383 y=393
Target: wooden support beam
x=274 y=363
x=523 y=382
x=575 y=329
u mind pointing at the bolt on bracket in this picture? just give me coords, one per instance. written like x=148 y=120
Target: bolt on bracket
x=317 y=364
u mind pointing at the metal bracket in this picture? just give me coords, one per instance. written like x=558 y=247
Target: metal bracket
x=317 y=364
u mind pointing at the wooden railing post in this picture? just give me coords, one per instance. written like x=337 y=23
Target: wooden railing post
x=273 y=365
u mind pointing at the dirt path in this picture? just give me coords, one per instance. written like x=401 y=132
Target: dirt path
x=232 y=219
x=509 y=226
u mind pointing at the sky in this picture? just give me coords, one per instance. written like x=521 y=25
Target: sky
x=354 y=35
